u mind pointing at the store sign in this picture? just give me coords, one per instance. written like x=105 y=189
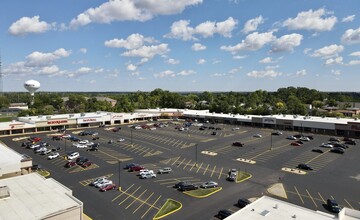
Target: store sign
x=12 y=126
x=117 y=116
x=54 y=122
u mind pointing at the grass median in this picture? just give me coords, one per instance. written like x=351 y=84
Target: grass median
x=202 y=193
x=43 y=173
x=168 y=208
x=242 y=176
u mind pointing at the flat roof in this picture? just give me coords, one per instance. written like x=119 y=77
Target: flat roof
x=10 y=160
x=275 y=209
x=35 y=197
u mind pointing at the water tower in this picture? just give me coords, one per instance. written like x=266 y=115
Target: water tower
x=32 y=86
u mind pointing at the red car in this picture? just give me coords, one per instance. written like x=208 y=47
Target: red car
x=70 y=164
x=108 y=187
x=136 y=168
x=86 y=164
x=34 y=139
x=295 y=144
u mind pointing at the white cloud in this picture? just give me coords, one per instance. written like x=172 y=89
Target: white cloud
x=83 y=50
x=266 y=60
x=84 y=70
x=238 y=57
x=349 y=18
x=333 y=61
x=252 y=42
x=92 y=81
x=147 y=51
x=166 y=73
x=355 y=54
x=133 y=41
x=172 y=61
x=328 y=51
x=186 y=72
x=307 y=50
x=286 y=43
x=354 y=62
x=198 y=47
x=201 y=61
x=41 y=59
x=336 y=72
x=181 y=29
x=27 y=25
x=137 y=73
x=264 y=73
x=235 y=70
x=131 y=67
x=129 y=10
x=301 y=72
x=272 y=67
x=351 y=36
x=311 y=20
x=50 y=69
x=252 y=24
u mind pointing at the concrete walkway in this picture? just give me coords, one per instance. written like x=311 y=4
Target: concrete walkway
x=278 y=190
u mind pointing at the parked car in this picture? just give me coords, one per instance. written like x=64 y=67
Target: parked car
x=187 y=187
x=74 y=139
x=300 y=142
x=334 y=139
x=116 y=129
x=291 y=137
x=108 y=187
x=236 y=128
x=223 y=213
x=243 y=202
x=78 y=145
x=93 y=183
x=238 y=144
x=129 y=165
x=277 y=133
x=350 y=142
x=70 y=164
x=72 y=155
x=337 y=150
x=333 y=206
x=303 y=166
x=295 y=144
x=257 y=135
x=148 y=175
x=181 y=183
x=136 y=168
x=214 y=133
x=145 y=171
x=326 y=145
x=53 y=155
x=86 y=164
x=209 y=184
x=92 y=149
x=56 y=138
x=304 y=138
x=84 y=142
x=232 y=174
x=40 y=149
x=317 y=151
x=165 y=170
x=81 y=160
x=103 y=183
x=56 y=149
x=121 y=140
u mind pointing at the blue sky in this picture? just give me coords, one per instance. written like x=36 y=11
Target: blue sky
x=180 y=45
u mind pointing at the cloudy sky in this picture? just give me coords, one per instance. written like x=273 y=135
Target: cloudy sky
x=180 y=45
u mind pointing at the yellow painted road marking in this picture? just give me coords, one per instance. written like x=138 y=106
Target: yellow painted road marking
x=109 y=155
x=175 y=161
x=274 y=148
x=156 y=181
x=309 y=161
x=181 y=162
x=122 y=192
x=186 y=164
x=192 y=167
x=206 y=169
x=129 y=195
x=137 y=198
x=152 y=206
x=220 y=172
x=143 y=202
x=349 y=204
x=321 y=197
x=311 y=198
x=199 y=168
x=299 y=195
x=213 y=171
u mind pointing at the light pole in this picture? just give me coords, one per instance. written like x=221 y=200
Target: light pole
x=119 y=174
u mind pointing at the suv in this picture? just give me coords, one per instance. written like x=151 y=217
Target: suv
x=136 y=168
x=179 y=184
x=304 y=167
x=223 y=213
x=238 y=144
x=188 y=187
x=72 y=155
x=333 y=206
x=165 y=170
x=243 y=202
x=81 y=160
x=232 y=175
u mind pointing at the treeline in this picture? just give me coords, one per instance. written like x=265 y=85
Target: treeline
x=289 y=100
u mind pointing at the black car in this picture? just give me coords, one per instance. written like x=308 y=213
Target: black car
x=92 y=149
x=56 y=149
x=238 y=144
x=333 y=206
x=56 y=138
x=337 y=150
x=304 y=167
x=223 y=213
x=343 y=146
x=243 y=202
x=300 y=142
x=188 y=187
x=334 y=139
x=81 y=160
x=310 y=137
x=214 y=133
x=350 y=142
x=179 y=184
x=317 y=151
x=129 y=165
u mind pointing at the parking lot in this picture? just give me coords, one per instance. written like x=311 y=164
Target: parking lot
x=198 y=155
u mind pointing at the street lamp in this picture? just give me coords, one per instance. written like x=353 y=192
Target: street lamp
x=119 y=174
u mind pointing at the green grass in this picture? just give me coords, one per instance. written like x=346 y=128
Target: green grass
x=201 y=193
x=43 y=173
x=242 y=176
x=5 y=119
x=168 y=208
